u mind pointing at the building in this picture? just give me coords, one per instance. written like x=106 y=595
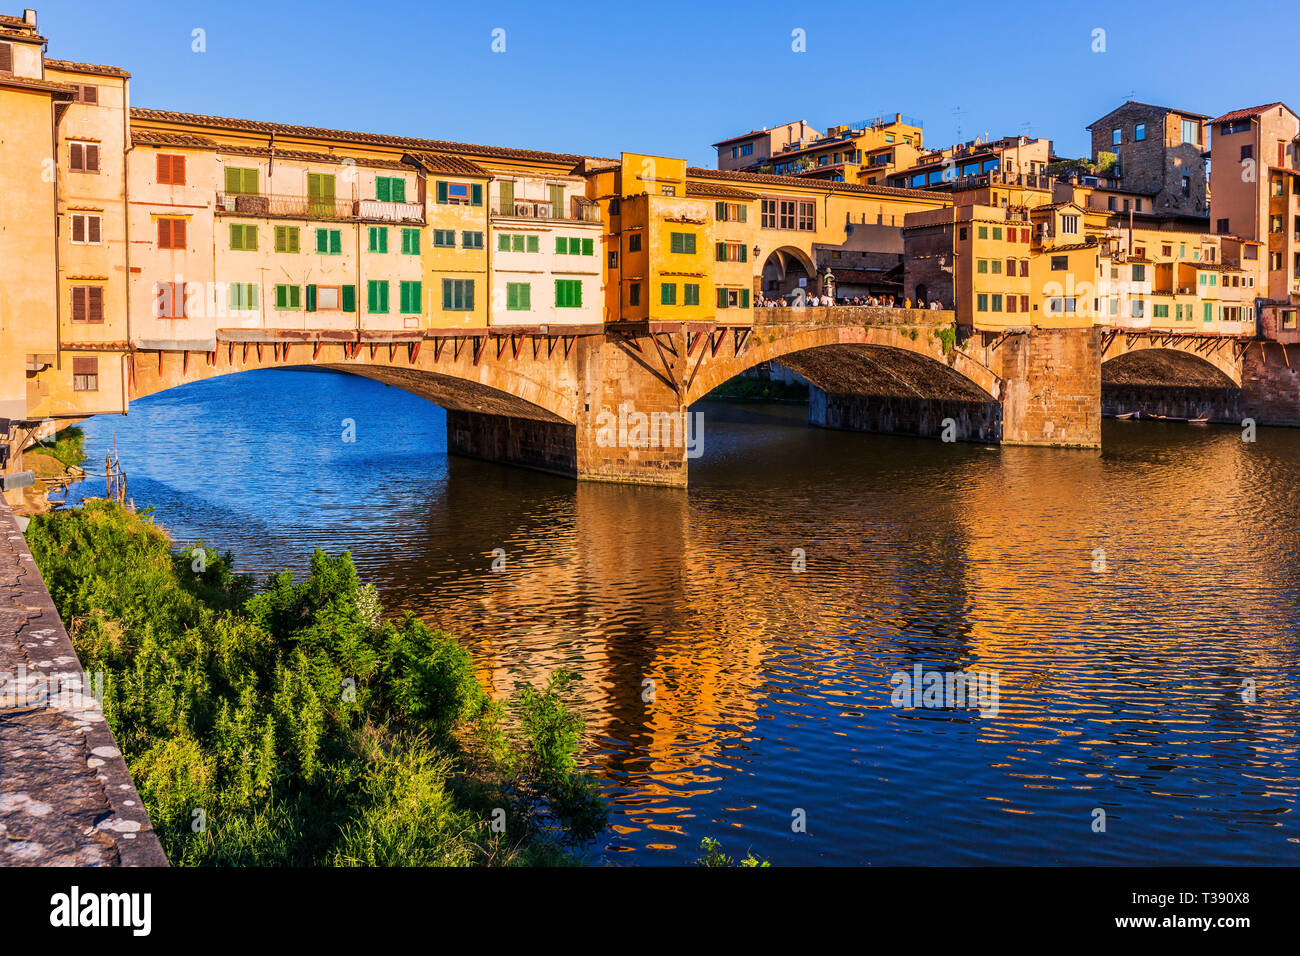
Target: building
x=1161 y=155
x=1013 y=159
x=756 y=148
x=842 y=153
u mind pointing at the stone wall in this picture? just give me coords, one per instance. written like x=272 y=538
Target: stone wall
x=1052 y=387
x=526 y=442
x=1270 y=388
x=1221 y=404
x=905 y=415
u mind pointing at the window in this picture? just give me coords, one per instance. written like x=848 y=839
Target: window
x=961 y=233
x=807 y=217
x=325 y=298
x=6 y=58
x=320 y=190
x=1060 y=263
x=1191 y=131
x=982 y=232
x=1070 y=225
x=634 y=242
x=288 y=297
x=982 y=302
x=444 y=238
x=241 y=182
x=767 y=214
x=997 y=232
x=1139 y=272
x=519 y=296
x=243 y=296
x=169 y=300
x=458 y=295
x=634 y=293
x=377 y=296
x=83 y=157
x=981 y=266
x=86 y=228
x=411 y=241
x=1011 y=303
x=329 y=242
x=243 y=237
x=668 y=190
x=1160 y=311
x=733 y=252
x=171 y=233
x=171 y=170
x=390 y=189
x=87 y=303
x=568 y=293
x=1187 y=186
x=1167 y=251
x=690 y=294
x=996 y=265
x=682 y=242
x=85 y=374
x=786 y=218
x=379 y=239
x=667 y=293
x=468 y=240
x=613 y=258
x=1208 y=312
x=1011 y=267
x=459 y=194
x=1114 y=137
x=1140 y=132
x=286 y=238
x=411 y=297
x=534 y=243
x=997 y=303
x=1139 y=309
x=731 y=212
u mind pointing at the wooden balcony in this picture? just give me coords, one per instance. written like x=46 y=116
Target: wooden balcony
x=272 y=206
x=580 y=210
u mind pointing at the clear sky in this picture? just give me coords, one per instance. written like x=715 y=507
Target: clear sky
x=671 y=78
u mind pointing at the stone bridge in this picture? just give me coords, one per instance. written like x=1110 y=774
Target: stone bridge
x=609 y=402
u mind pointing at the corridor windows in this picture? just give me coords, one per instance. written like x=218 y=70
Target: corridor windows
x=807 y=217
x=83 y=157
x=519 y=297
x=86 y=228
x=786 y=217
x=767 y=214
x=568 y=293
x=87 y=303
x=85 y=374
x=458 y=295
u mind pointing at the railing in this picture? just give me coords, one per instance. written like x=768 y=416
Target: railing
x=541 y=209
x=316 y=207
x=850 y=314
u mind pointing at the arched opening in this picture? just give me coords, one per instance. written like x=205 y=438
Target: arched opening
x=787 y=269
x=922 y=294
x=1168 y=383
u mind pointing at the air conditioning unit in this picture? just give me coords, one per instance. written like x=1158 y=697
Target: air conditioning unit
x=227 y=203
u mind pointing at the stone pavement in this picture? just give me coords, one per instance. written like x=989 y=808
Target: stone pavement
x=66 y=798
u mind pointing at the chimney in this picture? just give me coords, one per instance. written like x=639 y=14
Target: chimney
x=898 y=117
x=29 y=17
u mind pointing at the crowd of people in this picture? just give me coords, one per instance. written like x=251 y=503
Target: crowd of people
x=877 y=301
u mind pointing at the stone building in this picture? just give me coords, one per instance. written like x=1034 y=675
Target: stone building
x=1161 y=152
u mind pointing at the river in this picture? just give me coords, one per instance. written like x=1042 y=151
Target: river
x=738 y=643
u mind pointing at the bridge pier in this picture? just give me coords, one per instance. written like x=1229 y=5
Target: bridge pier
x=1051 y=385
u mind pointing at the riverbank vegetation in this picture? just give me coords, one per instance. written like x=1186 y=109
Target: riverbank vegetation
x=292 y=724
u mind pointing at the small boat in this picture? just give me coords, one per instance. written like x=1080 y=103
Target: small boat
x=1203 y=420
x=1125 y=416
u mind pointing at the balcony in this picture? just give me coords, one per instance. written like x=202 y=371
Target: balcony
x=580 y=210
x=315 y=207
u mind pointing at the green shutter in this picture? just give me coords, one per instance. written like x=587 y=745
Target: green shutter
x=744 y=298
x=281 y=296
x=349 y=298
x=236 y=235
x=507 y=197
x=336 y=241
x=744 y=252
x=743 y=211
x=232 y=179
x=721 y=210
x=311 y=298
x=722 y=252
x=476 y=194
x=503 y=242
x=534 y=244
x=235 y=296
x=383 y=188
x=322 y=240
x=722 y=298
x=689 y=241
x=561 y=245
x=442 y=192
x=517 y=243
x=399 y=189
x=587 y=247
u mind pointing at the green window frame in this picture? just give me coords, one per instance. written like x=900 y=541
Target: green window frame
x=667 y=293
x=503 y=242
x=562 y=245
x=243 y=237
x=329 y=242
x=568 y=293
x=349 y=298
x=1208 y=311
x=470 y=239
x=588 y=247
x=378 y=239
x=534 y=243
x=377 y=296
x=983 y=232
x=288 y=298
x=690 y=294
x=1139 y=272
x=982 y=302
x=981 y=266
x=519 y=296
x=518 y=243
x=997 y=302
x=458 y=295
x=682 y=242
x=634 y=293
x=286 y=238
x=241 y=182
x=1161 y=311
x=412 y=297
x=444 y=238
x=410 y=241
x=390 y=188
x=997 y=232
x=243 y=296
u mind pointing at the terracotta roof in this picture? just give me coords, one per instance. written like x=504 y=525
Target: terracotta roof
x=96 y=68
x=24 y=32
x=449 y=164
x=1247 y=113
x=50 y=86
x=760 y=132
x=718 y=190
x=153 y=137
x=141 y=114
x=1088 y=243
x=797 y=181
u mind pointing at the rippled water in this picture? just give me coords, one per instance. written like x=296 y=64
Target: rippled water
x=1119 y=690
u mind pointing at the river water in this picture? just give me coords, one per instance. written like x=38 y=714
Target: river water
x=1146 y=700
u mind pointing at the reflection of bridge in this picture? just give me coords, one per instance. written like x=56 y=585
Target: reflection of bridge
x=536 y=396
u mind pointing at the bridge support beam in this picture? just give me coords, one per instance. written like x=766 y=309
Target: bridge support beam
x=1270 y=383
x=1051 y=392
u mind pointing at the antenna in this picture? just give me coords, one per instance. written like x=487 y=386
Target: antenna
x=958 y=113
x=1028 y=127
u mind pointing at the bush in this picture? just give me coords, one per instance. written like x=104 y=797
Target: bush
x=293 y=724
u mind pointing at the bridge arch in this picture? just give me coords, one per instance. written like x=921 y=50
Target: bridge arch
x=784 y=267
x=861 y=360
x=465 y=379
x=1151 y=365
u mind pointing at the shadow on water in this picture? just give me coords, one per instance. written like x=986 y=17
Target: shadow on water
x=725 y=690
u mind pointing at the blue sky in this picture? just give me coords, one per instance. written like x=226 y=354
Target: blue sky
x=672 y=78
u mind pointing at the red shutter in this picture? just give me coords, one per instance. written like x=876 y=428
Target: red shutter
x=76 y=158
x=85 y=366
x=94 y=304
x=78 y=228
x=79 y=303
x=92 y=158
x=90 y=94
x=92 y=228
x=6 y=57
x=178 y=170
x=164 y=233
x=178 y=233
x=164 y=169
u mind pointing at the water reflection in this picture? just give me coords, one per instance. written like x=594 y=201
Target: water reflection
x=725 y=692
